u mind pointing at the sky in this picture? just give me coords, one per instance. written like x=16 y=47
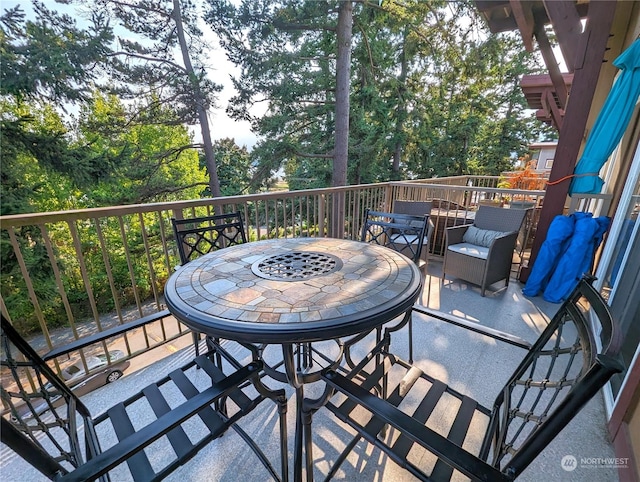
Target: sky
x=219 y=69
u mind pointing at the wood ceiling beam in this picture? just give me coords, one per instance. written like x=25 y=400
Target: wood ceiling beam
x=565 y=20
x=551 y=62
x=523 y=14
x=550 y=111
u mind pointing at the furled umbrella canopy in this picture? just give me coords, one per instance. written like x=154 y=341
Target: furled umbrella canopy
x=577 y=259
x=611 y=123
x=554 y=246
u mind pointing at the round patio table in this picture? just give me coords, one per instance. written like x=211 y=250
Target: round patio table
x=291 y=292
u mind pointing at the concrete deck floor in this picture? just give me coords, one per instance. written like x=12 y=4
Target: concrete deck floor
x=466 y=361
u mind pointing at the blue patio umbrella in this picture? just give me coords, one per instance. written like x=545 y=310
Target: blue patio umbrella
x=611 y=123
x=577 y=259
x=554 y=246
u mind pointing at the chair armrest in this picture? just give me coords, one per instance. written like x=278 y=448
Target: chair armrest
x=452 y=454
x=475 y=327
x=103 y=335
x=502 y=246
x=504 y=240
x=454 y=234
x=123 y=450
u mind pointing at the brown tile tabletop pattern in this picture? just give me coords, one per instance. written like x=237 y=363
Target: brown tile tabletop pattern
x=292 y=290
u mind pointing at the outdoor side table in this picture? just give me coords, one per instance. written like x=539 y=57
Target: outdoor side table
x=289 y=292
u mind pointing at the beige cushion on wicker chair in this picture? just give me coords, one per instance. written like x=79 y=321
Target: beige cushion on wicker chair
x=470 y=250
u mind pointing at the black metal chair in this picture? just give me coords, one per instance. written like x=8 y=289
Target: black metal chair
x=45 y=423
x=198 y=236
x=417 y=208
x=404 y=233
x=558 y=375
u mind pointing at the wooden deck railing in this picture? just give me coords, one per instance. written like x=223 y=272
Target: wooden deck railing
x=87 y=270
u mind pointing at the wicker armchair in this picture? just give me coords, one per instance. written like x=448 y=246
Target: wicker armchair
x=481 y=253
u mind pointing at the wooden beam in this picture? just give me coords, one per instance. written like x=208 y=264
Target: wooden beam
x=497 y=14
x=551 y=110
x=523 y=14
x=566 y=24
x=595 y=38
x=551 y=62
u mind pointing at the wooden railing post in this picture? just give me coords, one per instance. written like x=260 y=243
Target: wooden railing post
x=322 y=208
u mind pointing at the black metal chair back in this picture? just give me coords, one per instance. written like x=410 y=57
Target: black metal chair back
x=44 y=422
x=40 y=413
x=402 y=232
x=557 y=377
x=198 y=236
x=405 y=233
x=417 y=208
x=559 y=374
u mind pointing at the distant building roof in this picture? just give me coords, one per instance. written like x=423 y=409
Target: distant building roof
x=542 y=145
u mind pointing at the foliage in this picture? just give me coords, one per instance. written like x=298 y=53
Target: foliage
x=433 y=93
x=164 y=60
x=45 y=61
x=526 y=178
x=108 y=153
x=286 y=52
x=234 y=168
x=152 y=161
x=50 y=57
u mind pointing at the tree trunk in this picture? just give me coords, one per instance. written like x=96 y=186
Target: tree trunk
x=341 y=148
x=209 y=153
x=402 y=111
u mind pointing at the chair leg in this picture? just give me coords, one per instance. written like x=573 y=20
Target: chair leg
x=308 y=444
x=280 y=398
x=284 y=446
x=411 y=341
x=196 y=341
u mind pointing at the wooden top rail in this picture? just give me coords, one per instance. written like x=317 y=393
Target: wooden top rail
x=56 y=216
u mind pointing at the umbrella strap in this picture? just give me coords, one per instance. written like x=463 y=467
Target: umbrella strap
x=565 y=178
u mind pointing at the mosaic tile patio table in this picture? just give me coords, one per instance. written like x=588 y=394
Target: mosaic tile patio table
x=292 y=292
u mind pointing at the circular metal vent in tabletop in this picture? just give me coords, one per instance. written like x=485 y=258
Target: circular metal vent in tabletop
x=296 y=266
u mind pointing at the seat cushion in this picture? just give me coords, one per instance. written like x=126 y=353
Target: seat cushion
x=469 y=249
x=481 y=237
x=407 y=238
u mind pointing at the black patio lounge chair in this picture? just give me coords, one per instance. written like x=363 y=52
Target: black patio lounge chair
x=154 y=431
x=405 y=233
x=198 y=236
x=558 y=375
